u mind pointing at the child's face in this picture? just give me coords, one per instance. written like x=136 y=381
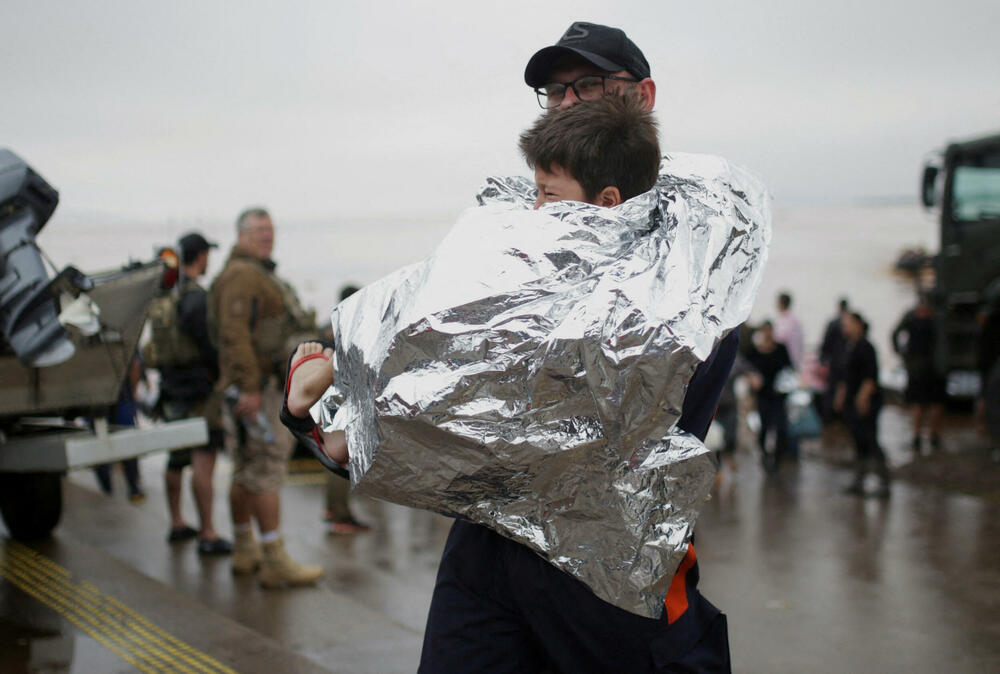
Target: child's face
x=557 y=185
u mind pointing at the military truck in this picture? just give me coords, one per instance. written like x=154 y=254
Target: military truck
x=66 y=344
x=962 y=184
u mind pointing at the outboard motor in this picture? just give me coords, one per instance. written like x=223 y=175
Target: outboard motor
x=29 y=311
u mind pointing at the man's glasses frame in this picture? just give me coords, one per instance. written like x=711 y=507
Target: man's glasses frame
x=547 y=100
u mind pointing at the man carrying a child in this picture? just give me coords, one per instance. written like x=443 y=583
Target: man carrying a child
x=497 y=605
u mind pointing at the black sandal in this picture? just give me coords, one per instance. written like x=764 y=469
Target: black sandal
x=184 y=533
x=305 y=429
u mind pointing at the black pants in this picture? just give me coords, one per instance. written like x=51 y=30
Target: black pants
x=499 y=607
x=773 y=417
x=864 y=431
x=827 y=412
x=131 y=469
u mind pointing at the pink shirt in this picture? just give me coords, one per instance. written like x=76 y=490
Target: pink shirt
x=788 y=331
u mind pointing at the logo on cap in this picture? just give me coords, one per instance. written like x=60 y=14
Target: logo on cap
x=579 y=34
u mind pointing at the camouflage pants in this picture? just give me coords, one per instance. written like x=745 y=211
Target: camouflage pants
x=260 y=465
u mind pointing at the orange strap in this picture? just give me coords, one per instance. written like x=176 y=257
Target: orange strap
x=676 y=602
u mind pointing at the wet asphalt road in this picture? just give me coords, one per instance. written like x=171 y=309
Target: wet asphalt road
x=812 y=581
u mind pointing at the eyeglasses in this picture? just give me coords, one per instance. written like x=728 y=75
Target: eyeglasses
x=586 y=88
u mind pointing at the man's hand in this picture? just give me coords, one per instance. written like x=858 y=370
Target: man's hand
x=838 y=399
x=248 y=405
x=862 y=403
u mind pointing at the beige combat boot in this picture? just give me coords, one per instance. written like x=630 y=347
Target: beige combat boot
x=278 y=569
x=246 y=552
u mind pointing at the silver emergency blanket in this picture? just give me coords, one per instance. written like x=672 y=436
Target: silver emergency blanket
x=528 y=375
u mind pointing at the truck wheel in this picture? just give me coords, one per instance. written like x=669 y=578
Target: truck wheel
x=31 y=503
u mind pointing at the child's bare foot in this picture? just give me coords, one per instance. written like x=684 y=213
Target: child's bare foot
x=310 y=379
x=335 y=446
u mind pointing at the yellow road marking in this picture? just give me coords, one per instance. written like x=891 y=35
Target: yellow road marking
x=65 y=598
x=30 y=561
x=97 y=620
x=79 y=618
x=305 y=466
x=113 y=624
x=306 y=478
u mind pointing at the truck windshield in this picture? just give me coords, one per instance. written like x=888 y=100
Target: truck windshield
x=976 y=190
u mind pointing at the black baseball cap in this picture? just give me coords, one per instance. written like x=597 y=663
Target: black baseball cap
x=192 y=244
x=605 y=47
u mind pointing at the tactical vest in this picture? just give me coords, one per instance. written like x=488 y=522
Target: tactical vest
x=168 y=346
x=271 y=336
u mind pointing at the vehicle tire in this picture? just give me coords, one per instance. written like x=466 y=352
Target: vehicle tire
x=31 y=503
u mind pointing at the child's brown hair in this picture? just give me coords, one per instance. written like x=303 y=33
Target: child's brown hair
x=609 y=141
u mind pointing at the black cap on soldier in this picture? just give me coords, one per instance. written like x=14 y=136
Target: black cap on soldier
x=607 y=48
x=192 y=244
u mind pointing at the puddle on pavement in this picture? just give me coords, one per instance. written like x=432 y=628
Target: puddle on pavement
x=37 y=639
x=35 y=648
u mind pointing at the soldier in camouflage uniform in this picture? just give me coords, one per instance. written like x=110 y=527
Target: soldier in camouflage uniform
x=256 y=316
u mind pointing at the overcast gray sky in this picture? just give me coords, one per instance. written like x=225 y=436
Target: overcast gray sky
x=188 y=111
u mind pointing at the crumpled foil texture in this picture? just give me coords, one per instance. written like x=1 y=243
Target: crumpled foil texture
x=528 y=375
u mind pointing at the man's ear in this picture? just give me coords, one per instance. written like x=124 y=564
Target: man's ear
x=647 y=89
x=608 y=197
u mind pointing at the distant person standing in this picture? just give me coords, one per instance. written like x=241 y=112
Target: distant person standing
x=257 y=314
x=831 y=357
x=180 y=348
x=915 y=340
x=860 y=401
x=123 y=413
x=728 y=413
x=788 y=330
x=769 y=358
